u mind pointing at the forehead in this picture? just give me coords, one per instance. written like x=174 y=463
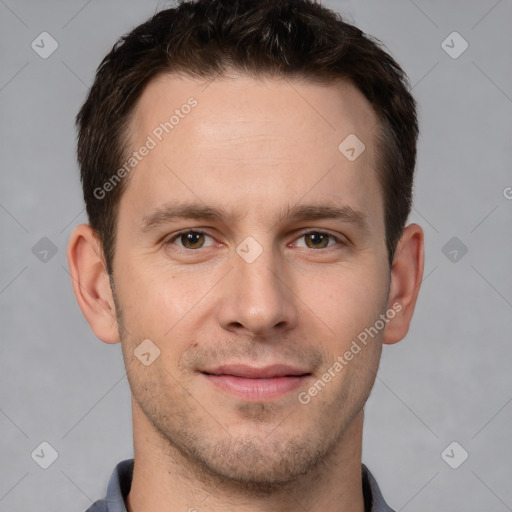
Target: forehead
x=262 y=107
x=252 y=143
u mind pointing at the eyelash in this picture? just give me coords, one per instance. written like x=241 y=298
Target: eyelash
x=174 y=237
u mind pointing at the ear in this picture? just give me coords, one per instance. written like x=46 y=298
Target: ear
x=91 y=283
x=406 y=277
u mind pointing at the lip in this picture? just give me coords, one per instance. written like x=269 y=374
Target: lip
x=257 y=384
x=252 y=372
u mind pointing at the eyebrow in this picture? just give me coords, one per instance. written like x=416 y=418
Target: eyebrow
x=170 y=212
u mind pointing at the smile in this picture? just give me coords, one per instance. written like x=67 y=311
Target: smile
x=257 y=384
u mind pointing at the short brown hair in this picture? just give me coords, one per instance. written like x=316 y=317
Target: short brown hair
x=280 y=39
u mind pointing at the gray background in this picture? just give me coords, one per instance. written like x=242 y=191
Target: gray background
x=449 y=380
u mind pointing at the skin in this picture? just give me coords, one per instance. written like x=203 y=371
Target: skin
x=255 y=147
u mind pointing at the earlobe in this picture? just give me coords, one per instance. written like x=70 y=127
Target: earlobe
x=406 y=277
x=91 y=283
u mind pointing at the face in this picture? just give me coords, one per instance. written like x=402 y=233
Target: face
x=246 y=239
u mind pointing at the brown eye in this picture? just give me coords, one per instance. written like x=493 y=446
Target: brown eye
x=315 y=240
x=192 y=240
x=189 y=239
x=318 y=240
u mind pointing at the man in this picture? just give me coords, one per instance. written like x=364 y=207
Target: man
x=247 y=169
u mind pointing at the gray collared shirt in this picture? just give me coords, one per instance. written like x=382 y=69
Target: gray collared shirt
x=121 y=481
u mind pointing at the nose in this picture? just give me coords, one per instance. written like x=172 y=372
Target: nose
x=258 y=296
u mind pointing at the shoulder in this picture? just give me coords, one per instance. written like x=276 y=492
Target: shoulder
x=98 y=506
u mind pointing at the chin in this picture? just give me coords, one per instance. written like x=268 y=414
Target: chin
x=260 y=463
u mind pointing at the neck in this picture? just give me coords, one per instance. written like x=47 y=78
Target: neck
x=164 y=480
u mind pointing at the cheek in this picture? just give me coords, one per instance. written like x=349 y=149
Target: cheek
x=348 y=299
x=163 y=304
x=155 y=292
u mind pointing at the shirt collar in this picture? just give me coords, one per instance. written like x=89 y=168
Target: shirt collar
x=375 y=498
x=121 y=481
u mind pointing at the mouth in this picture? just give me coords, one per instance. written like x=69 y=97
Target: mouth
x=257 y=384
